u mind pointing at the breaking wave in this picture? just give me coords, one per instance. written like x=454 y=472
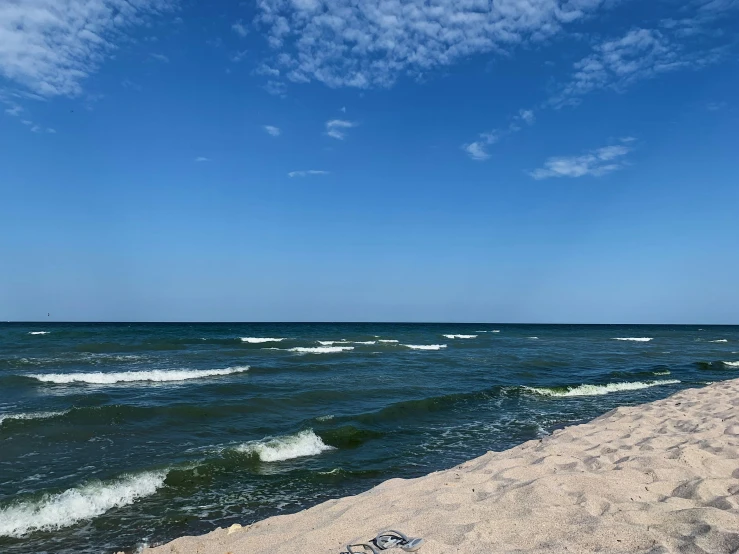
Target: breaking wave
x=425 y=346
x=461 y=336
x=320 y=349
x=394 y=341
x=635 y=339
x=732 y=364
x=597 y=390
x=305 y=443
x=259 y=340
x=156 y=375
x=719 y=340
x=35 y=415
x=54 y=511
x=39 y=332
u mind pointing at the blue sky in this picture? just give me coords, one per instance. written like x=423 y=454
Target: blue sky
x=514 y=160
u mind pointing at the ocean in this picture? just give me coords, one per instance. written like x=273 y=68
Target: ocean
x=117 y=435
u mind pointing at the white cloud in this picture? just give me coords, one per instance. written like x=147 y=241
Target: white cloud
x=160 y=57
x=527 y=116
x=127 y=83
x=49 y=47
x=14 y=110
x=711 y=106
x=594 y=163
x=335 y=128
x=239 y=29
x=478 y=150
x=236 y=57
x=276 y=88
x=200 y=159
x=306 y=172
x=639 y=54
x=371 y=43
x=272 y=130
x=51 y=131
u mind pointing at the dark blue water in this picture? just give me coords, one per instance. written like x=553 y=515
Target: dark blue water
x=112 y=435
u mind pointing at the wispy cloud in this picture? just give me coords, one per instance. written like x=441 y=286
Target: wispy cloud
x=639 y=54
x=159 y=57
x=272 y=130
x=240 y=29
x=127 y=83
x=49 y=47
x=370 y=43
x=336 y=128
x=477 y=150
x=236 y=57
x=14 y=110
x=276 y=88
x=307 y=172
x=711 y=106
x=201 y=159
x=595 y=163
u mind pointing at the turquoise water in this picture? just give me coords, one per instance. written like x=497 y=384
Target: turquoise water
x=112 y=435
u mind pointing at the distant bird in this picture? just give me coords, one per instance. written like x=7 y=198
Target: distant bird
x=48 y=315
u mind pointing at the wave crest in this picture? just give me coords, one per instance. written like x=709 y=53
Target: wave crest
x=598 y=390
x=461 y=336
x=305 y=443
x=425 y=346
x=156 y=375
x=320 y=349
x=54 y=511
x=34 y=415
x=259 y=340
x=635 y=339
x=39 y=332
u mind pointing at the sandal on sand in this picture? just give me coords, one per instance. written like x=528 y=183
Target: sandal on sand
x=364 y=546
x=385 y=540
x=395 y=539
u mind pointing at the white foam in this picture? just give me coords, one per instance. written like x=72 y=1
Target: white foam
x=665 y=372
x=461 y=336
x=635 y=339
x=325 y=417
x=305 y=443
x=34 y=415
x=156 y=375
x=495 y=331
x=425 y=346
x=732 y=364
x=55 y=511
x=39 y=332
x=388 y=341
x=534 y=338
x=330 y=342
x=320 y=349
x=598 y=390
x=259 y=340
x=719 y=340
x=366 y=342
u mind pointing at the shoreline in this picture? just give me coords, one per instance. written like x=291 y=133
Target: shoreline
x=658 y=477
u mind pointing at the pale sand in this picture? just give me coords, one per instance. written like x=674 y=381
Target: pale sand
x=661 y=477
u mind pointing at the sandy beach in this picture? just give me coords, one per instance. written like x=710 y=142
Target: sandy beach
x=660 y=477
